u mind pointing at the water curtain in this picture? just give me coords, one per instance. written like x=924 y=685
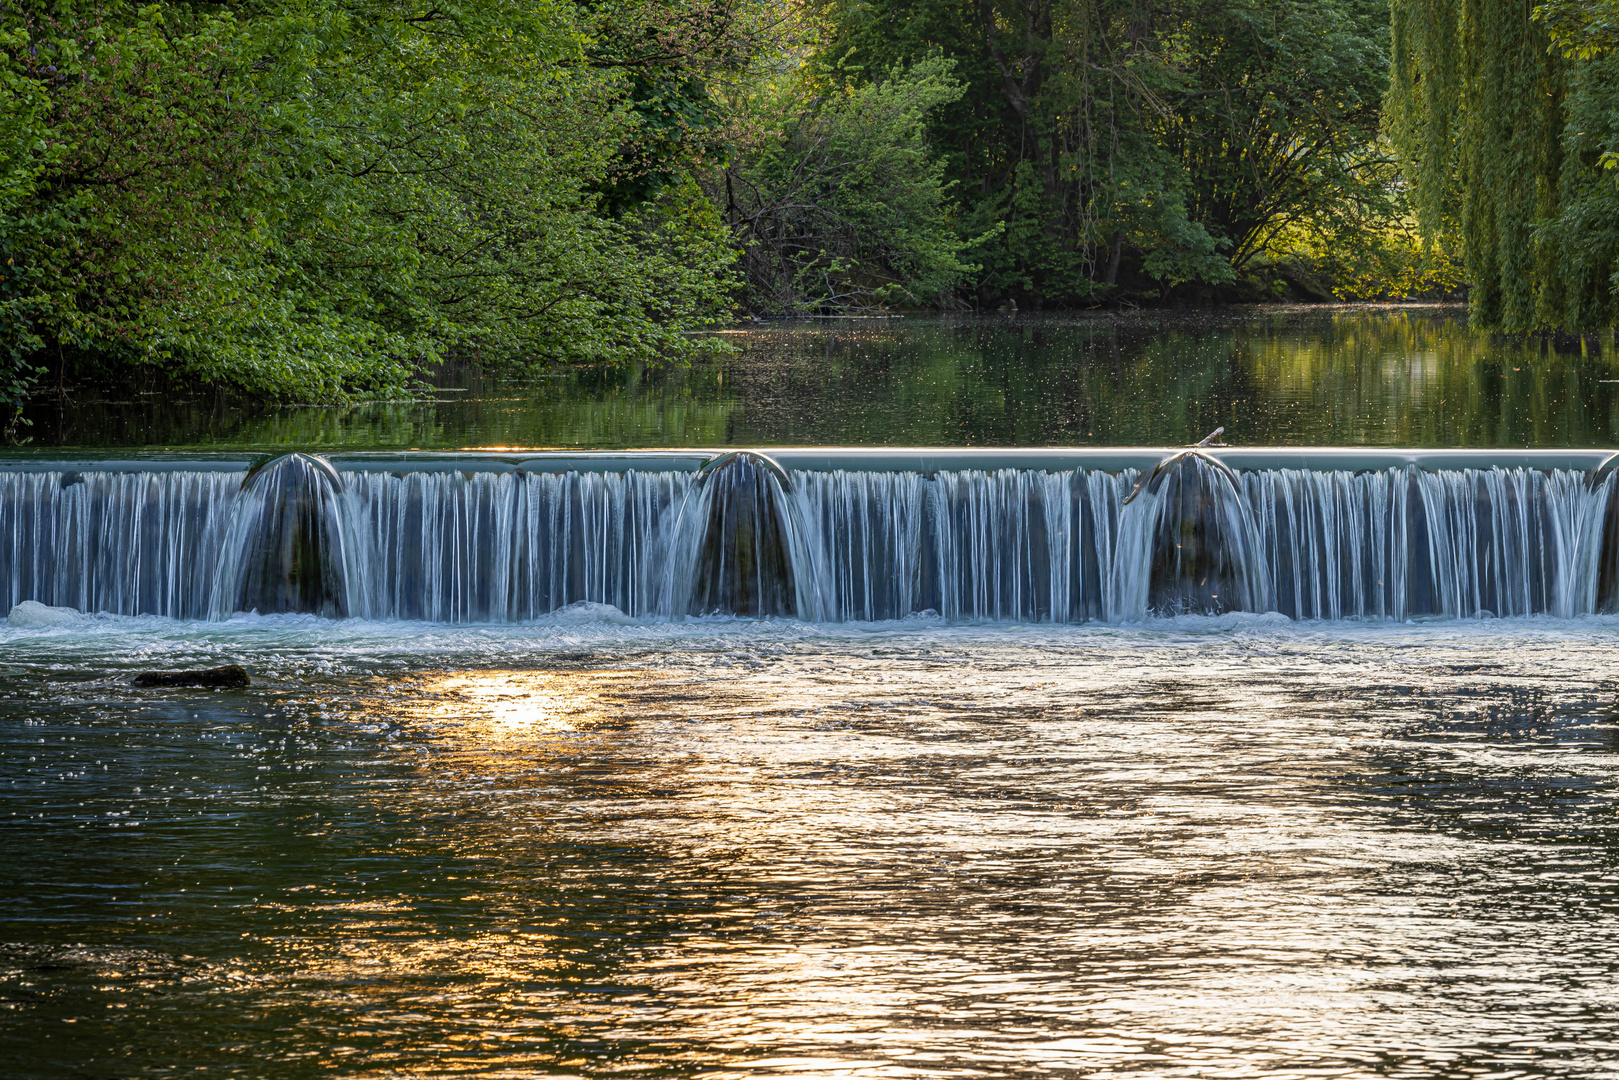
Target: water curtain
x=286 y=549
x=746 y=536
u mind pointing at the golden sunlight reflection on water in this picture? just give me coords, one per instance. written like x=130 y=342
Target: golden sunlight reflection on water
x=1259 y=852
x=515 y=705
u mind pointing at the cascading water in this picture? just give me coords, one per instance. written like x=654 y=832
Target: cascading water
x=511 y=540
x=286 y=550
x=1336 y=543
x=453 y=546
x=733 y=548
x=127 y=543
x=1398 y=543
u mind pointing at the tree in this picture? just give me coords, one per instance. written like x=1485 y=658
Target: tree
x=845 y=205
x=1580 y=243
x=1273 y=112
x=316 y=199
x=1504 y=117
x=1119 y=139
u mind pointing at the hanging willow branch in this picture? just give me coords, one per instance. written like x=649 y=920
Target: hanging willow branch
x=1502 y=135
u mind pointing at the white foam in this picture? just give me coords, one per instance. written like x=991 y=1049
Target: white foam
x=586 y=611
x=33 y=613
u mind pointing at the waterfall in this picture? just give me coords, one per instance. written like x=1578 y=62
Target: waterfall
x=446 y=544
x=1397 y=543
x=862 y=535
x=490 y=547
x=128 y=543
x=1336 y=544
x=286 y=549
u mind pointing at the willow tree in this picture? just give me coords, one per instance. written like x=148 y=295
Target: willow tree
x=1502 y=115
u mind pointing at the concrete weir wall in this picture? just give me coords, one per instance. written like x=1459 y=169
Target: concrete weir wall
x=923 y=460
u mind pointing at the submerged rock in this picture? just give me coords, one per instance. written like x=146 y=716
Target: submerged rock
x=34 y=613
x=231 y=675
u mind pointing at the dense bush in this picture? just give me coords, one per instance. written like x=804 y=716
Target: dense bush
x=317 y=199
x=844 y=205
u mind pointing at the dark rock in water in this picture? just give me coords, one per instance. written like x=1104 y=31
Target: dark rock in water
x=231 y=675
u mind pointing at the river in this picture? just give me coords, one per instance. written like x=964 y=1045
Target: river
x=586 y=842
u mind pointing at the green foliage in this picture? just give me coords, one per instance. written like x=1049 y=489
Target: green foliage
x=1365 y=244
x=1131 y=146
x=1273 y=112
x=315 y=200
x=1505 y=119
x=319 y=200
x=1580 y=242
x=846 y=206
x=1364 y=260
x=24 y=149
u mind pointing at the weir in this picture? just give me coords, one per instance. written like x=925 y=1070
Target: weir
x=825 y=535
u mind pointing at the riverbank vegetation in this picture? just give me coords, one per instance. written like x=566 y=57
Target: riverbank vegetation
x=308 y=201
x=1506 y=117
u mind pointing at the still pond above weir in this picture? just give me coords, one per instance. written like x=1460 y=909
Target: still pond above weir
x=1292 y=376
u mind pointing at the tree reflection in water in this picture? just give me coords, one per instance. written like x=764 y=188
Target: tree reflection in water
x=1374 y=376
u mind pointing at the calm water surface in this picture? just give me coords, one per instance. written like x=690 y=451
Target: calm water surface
x=1228 y=846
x=1271 y=376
